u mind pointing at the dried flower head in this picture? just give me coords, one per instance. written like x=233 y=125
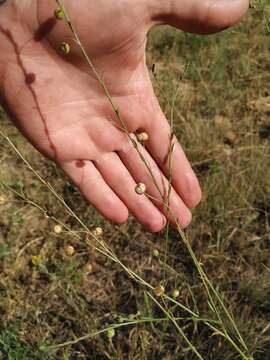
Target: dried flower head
x=140 y=189
x=69 y=250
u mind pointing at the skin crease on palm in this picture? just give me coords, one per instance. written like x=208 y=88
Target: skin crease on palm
x=62 y=111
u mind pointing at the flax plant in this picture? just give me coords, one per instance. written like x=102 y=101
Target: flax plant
x=166 y=303
x=217 y=303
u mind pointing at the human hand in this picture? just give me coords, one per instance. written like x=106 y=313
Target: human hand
x=60 y=107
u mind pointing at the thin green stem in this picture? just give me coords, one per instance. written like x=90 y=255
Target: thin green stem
x=118 y=326
x=174 y=321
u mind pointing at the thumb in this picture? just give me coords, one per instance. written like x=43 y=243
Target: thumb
x=202 y=16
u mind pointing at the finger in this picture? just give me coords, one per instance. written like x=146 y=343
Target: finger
x=184 y=179
x=151 y=119
x=139 y=171
x=203 y=17
x=119 y=179
x=92 y=185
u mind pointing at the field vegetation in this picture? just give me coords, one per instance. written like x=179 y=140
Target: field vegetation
x=61 y=298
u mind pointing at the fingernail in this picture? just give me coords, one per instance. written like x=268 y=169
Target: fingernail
x=194 y=193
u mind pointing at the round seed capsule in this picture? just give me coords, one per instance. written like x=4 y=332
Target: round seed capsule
x=65 y=48
x=98 y=231
x=57 y=229
x=156 y=253
x=159 y=290
x=111 y=333
x=69 y=250
x=140 y=189
x=59 y=14
x=231 y=137
x=142 y=137
x=89 y=268
x=175 y=293
x=3 y=200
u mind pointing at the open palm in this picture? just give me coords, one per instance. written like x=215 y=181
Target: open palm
x=60 y=107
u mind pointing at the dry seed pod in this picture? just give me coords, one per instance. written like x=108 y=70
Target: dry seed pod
x=69 y=250
x=59 y=14
x=65 y=48
x=57 y=229
x=98 y=231
x=159 y=290
x=3 y=200
x=142 y=137
x=88 y=268
x=140 y=189
x=231 y=137
x=175 y=293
